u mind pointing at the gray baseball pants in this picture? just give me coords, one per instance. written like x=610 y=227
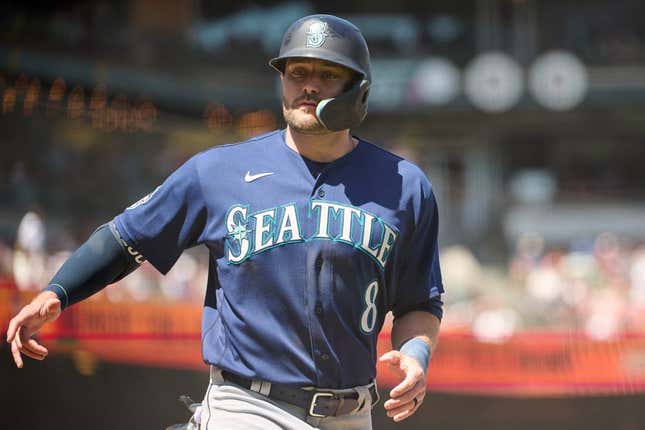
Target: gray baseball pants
x=227 y=406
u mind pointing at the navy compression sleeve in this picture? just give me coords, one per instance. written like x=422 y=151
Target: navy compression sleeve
x=102 y=260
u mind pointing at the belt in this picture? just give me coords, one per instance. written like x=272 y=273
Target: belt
x=319 y=403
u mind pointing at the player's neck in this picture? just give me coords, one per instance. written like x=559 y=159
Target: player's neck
x=323 y=148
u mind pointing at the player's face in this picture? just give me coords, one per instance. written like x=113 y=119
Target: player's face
x=305 y=82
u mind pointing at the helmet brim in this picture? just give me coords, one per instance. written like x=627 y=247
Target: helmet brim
x=279 y=63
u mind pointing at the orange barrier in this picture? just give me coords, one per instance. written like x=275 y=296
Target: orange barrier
x=535 y=364
x=529 y=364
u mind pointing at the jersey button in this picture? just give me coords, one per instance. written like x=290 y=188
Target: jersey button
x=318 y=309
x=321 y=193
x=325 y=356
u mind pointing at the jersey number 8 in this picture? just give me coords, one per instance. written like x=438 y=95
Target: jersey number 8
x=368 y=317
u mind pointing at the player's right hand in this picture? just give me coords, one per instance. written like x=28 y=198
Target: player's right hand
x=44 y=308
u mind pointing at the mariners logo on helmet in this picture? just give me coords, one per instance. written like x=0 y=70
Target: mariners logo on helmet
x=317 y=34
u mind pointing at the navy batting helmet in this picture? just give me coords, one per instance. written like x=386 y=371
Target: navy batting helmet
x=327 y=37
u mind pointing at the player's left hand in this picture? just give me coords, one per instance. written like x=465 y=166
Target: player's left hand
x=44 y=308
x=406 y=397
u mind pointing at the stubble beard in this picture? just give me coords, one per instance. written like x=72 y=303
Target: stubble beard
x=300 y=121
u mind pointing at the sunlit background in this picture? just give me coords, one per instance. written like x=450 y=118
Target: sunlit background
x=528 y=117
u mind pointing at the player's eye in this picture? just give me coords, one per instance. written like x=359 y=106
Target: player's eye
x=297 y=73
x=329 y=75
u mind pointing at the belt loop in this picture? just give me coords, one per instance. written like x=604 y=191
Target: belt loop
x=341 y=400
x=216 y=375
x=262 y=387
x=256 y=385
x=265 y=388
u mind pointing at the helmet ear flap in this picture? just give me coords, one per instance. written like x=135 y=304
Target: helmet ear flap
x=346 y=110
x=365 y=96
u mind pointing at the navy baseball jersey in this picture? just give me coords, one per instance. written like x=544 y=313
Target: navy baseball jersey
x=305 y=258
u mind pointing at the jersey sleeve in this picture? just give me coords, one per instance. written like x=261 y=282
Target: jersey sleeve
x=168 y=220
x=418 y=275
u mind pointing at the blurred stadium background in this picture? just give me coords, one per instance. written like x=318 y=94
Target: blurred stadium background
x=527 y=115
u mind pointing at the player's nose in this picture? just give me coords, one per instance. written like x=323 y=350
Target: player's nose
x=312 y=84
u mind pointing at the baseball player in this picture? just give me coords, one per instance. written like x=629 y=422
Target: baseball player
x=314 y=235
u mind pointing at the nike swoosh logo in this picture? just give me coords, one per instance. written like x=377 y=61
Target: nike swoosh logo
x=250 y=178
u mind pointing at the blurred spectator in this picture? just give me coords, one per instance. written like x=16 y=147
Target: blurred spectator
x=31 y=233
x=463 y=273
x=29 y=257
x=6 y=261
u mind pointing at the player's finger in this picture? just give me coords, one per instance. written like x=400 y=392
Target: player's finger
x=422 y=395
x=16 y=354
x=29 y=347
x=401 y=409
x=412 y=377
x=15 y=323
x=392 y=358
x=405 y=414
x=34 y=347
x=19 y=336
x=32 y=354
x=417 y=391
